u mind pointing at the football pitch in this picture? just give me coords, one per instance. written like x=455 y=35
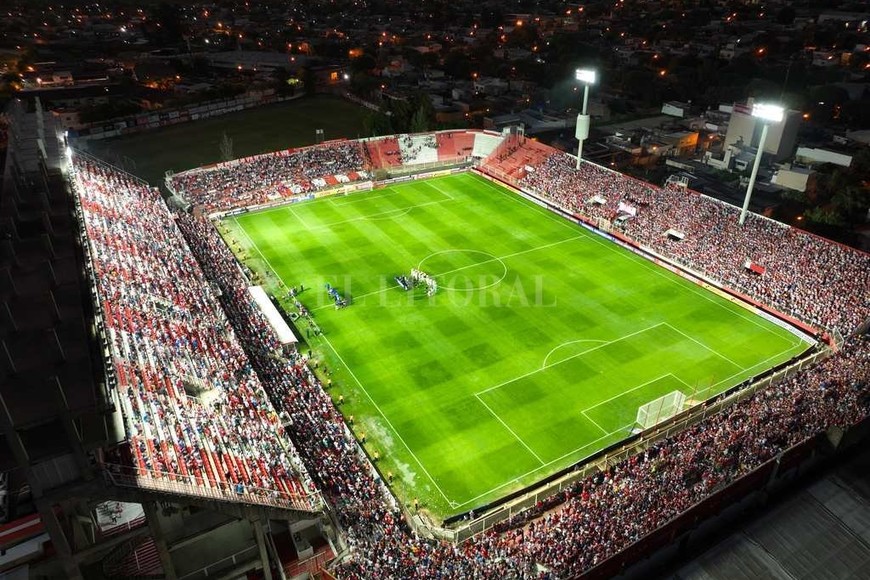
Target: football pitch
x=535 y=352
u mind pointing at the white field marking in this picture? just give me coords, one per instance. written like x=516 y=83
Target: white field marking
x=643 y=262
x=354 y=298
x=495 y=258
x=626 y=392
x=560 y=458
x=257 y=248
x=701 y=344
x=358 y=382
x=511 y=431
x=530 y=373
x=407 y=210
x=298 y=217
x=388 y=214
x=737 y=374
x=356 y=199
x=437 y=188
x=492 y=259
x=355 y=378
x=594 y=422
x=690 y=387
x=557 y=347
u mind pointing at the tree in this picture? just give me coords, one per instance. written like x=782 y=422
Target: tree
x=419 y=122
x=785 y=15
x=169 y=18
x=226 y=147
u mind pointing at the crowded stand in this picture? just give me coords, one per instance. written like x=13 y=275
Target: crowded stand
x=799 y=274
x=194 y=409
x=571 y=531
x=271 y=176
x=169 y=333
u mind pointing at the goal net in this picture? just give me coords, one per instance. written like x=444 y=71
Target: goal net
x=657 y=410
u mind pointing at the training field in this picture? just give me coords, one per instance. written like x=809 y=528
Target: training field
x=536 y=351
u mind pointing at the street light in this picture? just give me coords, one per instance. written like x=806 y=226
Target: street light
x=587 y=77
x=768 y=113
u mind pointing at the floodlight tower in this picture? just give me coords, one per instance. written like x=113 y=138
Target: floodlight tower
x=587 y=77
x=768 y=114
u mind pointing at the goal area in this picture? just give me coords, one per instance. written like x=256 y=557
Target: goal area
x=652 y=413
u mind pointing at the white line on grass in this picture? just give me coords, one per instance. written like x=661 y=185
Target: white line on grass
x=355 y=298
x=737 y=374
x=494 y=259
x=594 y=422
x=437 y=188
x=352 y=374
x=391 y=213
x=358 y=382
x=626 y=392
x=557 y=347
x=694 y=390
x=560 y=458
x=701 y=344
x=298 y=217
x=499 y=258
x=530 y=373
x=645 y=263
x=506 y=426
x=257 y=248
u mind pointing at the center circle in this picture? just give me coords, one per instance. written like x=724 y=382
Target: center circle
x=449 y=266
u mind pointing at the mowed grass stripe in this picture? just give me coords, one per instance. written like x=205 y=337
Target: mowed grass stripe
x=429 y=364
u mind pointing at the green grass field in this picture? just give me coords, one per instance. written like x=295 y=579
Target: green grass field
x=536 y=351
x=149 y=155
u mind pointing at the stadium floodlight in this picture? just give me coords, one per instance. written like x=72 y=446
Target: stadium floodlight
x=768 y=113
x=587 y=77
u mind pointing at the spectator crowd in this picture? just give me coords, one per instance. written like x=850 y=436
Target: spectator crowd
x=807 y=277
x=171 y=329
x=271 y=176
x=194 y=409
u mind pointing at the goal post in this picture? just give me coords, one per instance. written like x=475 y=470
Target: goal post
x=652 y=413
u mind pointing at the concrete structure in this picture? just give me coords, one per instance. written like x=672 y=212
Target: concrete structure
x=745 y=131
x=73 y=511
x=812 y=155
x=796 y=178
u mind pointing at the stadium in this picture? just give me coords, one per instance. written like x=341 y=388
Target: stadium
x=473 y=356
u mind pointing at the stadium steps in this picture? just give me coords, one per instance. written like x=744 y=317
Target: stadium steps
x=136 y=558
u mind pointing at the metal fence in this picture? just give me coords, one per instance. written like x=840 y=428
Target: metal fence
x=650 y=437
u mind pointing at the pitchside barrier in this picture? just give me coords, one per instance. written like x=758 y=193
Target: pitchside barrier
x=797 y=327
x=568 y=478
x=746 y=493
x=429 y=171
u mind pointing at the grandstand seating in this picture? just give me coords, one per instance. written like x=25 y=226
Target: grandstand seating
x=271 y=176
x=454 y=145
x=418 y=149
x=510 y=160
x=820 y=282
x=173 y=336
x=194 y=410
x=384 y=152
